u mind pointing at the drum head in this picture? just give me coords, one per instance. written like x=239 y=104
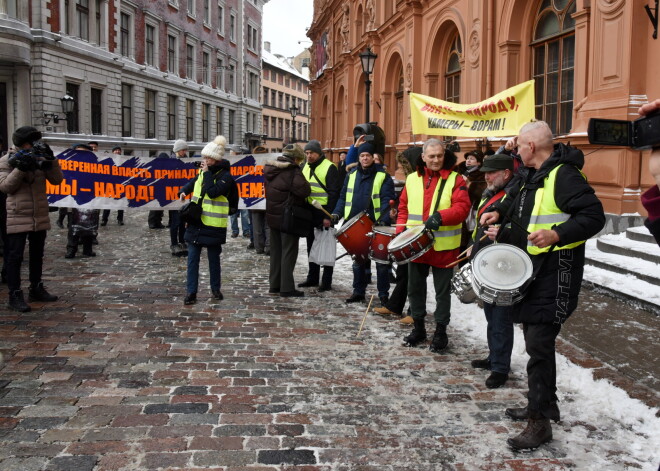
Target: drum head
x=405 y=237
x=350 y=222
x=502 y=266
x=387 y=230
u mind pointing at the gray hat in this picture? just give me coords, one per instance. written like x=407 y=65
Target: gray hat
x=314 y=146
x=496 y=162
x=179 y=144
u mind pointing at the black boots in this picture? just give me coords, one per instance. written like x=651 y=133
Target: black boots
x=440 y=339
x=17 y=303
x=418 y=334
x=537 y=432
x=495 y=380
x=39 y=293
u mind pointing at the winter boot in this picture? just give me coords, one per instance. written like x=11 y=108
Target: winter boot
x=17 y=303
x=522 y=413
x=537 y=432
x=39 y=293
x=418 y=334
x=71 y=252
x=440 y=339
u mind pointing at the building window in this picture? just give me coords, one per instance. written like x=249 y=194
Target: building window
x=273 y=128
x=219 y=74
x=171 y=53
x=207 y=12
x=97 y=22
x=206 y=76
x=265 y=125
x=150 y=112
x=206 y=111
x=126 y=109
x=232 y=28
x=266 y=74
x=252 y=38
x=266 y=95
x=253 y=85
x=149 y=46
x=280 y=128
x=232 y=123
x=221 y=19
x=82 y=18
x=231 y=85
x=72 y=122
x=554 y=61
x=171 y=117
x=453 y=72
x=97 y=110
x=191 y=8
x=190 y=61
x=219 y=121
x=190 y=120
x=281 y=100
x=273 y=99
x=125 y=35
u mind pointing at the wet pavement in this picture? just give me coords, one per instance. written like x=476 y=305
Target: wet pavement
x=119 y=375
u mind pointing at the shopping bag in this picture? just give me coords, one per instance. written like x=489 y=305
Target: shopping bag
x=324 y=248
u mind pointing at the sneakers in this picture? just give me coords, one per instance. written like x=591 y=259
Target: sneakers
x=481 y=364
x=39 y=293
x=17 y=303
x=307 y=284
x=383 y=311
x=355 y=298
x=495 y=380
x=408 y=320
x=292 y=294
x=218 y=295
x=191 y=298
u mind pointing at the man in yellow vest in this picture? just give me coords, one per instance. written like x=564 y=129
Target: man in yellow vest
x=437 y=197
x=323 y=177
x=367 y=188
x=551 y=215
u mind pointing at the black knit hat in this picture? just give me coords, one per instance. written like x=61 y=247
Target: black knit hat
x=25 y=134
x=314 y=146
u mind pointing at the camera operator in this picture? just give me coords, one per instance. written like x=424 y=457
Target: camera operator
x=651 y=197
x=23 y=175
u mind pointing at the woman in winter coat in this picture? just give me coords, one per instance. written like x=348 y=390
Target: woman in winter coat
x=212 y=190
x=284 y=181
x=476 y=183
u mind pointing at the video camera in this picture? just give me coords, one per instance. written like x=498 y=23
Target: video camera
x=372 y=133
x=643 y=133
x=39 y=157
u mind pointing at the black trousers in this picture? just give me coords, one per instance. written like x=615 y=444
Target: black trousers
x=14 y=257
x=399 y=295
x=541 y=368
x=314 y=270
x=155 y=218
x=106 y=215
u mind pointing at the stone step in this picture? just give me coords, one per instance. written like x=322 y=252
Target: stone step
x=629 y=248
x=640 y=234
x=622 y=270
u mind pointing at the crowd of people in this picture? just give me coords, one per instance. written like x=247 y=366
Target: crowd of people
x=530 y=194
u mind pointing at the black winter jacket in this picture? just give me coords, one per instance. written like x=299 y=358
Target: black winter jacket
x=283 y=178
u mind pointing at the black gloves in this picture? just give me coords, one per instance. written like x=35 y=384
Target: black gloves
x=23 y=161
x=335 y=219
x=434 y=221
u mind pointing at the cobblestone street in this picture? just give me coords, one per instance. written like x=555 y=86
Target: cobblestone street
x=119 y=375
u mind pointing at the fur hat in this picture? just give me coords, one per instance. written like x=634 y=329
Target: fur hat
x=294 y=152
x=409 y=158
x=24 y=135
x=215 y=149
x=179 y=144
x=366 y=147
x=314 y=146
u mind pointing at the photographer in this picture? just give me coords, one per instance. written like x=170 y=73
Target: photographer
x=651 y=198
x=23 y=175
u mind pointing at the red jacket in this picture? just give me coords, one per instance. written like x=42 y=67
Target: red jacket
x=454 y=215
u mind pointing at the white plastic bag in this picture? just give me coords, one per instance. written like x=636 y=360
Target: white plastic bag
x=324 y=248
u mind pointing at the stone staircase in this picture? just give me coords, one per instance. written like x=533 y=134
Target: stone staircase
x=626 y=265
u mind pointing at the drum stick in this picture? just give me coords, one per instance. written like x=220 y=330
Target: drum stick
x=456 y=262
x=466 y=250
x=341 y=256
x=318 y=205
x=365 y=315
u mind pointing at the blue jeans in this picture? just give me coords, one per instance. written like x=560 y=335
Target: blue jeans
x=194 y=253
x=245 y=222
x=500 y=337
x=382 y=279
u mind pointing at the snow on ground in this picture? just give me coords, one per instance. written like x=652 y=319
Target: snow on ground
x=600 y=423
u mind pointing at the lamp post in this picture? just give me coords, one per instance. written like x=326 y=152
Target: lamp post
x=294 y=112
x=67 y=103
x=368 y=59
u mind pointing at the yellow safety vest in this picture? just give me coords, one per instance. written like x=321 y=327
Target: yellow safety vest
x=214 y=210
x=320 y=173
x=446 y=237
x=379 y=178
x=546 y=214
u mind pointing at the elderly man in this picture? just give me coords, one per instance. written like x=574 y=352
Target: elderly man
x=551 y=214
x=498 y=172
x=323 y=177
x=437 y=196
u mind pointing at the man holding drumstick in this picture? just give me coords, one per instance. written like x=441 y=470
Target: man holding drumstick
x=551 y=214
x=437 y=197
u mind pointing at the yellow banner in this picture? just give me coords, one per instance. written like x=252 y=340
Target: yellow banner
x=501 y=115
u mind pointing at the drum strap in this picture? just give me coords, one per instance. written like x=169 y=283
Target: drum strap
x=494 y=198
x=311 y=172
x=439 y=197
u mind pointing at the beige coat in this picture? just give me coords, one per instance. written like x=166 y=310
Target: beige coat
x=27 y=204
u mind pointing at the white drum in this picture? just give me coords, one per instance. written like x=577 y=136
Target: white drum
x=461 y=285
x=499 y=273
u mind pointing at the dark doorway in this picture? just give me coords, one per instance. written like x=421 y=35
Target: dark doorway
x=4 y=111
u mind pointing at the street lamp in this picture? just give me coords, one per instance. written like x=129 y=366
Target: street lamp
x=294 y=112
x=67 y=103
x=368 y=59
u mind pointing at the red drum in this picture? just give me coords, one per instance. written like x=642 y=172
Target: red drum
x=410 y=244
x=353 y=235
x=380 y=239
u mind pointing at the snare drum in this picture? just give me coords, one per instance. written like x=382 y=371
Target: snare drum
x=461 y=285
x=380 y=239
x=499 y=273
x=353 y=235
x=410 y=244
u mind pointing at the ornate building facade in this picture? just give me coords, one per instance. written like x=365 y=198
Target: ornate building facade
x=142 y=73
x=589 y=58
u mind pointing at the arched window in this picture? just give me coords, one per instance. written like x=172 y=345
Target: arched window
x=453 y=71
x=399 y=103
x=554 y=59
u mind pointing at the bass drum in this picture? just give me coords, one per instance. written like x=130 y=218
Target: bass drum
x=354 y=236
x=500 y=272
